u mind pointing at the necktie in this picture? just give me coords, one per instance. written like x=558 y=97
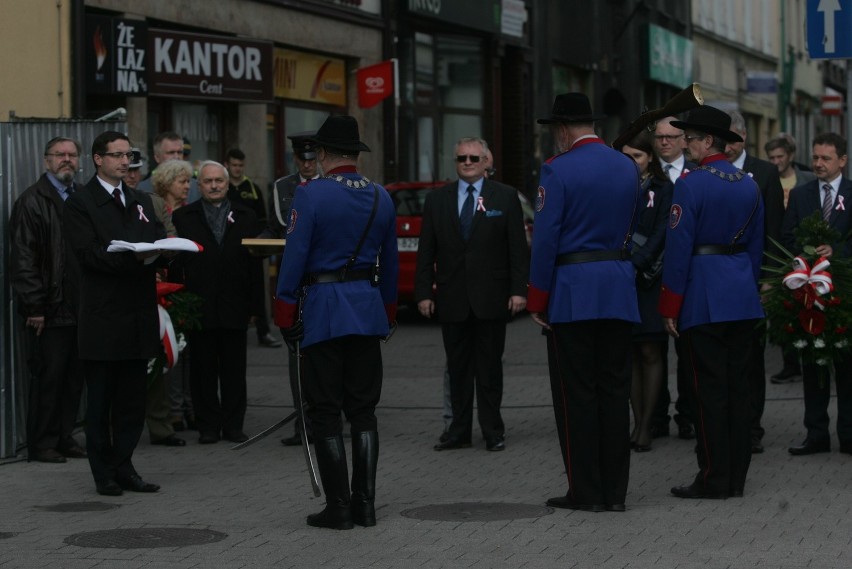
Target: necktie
x=827 y=202
x=68 y=191
x=116 y=194
x=466 y=214
x=668 y=169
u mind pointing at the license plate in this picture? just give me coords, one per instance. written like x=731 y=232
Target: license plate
x=407 y=243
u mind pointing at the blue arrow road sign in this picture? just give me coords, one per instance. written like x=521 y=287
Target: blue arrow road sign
x=829 y=29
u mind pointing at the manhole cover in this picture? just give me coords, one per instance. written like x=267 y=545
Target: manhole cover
x=79 y=507
x=144 y=538
x=477 y=512
x=7 y=534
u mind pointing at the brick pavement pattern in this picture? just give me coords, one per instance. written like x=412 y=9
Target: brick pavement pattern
x=796 y=513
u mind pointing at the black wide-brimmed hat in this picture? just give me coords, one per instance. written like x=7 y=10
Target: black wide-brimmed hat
x=303 y=146
x=340 y=133
x=571 y=107
x=710 y=120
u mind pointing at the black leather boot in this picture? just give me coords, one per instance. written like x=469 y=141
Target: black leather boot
x=365 y=457
x=331 y=460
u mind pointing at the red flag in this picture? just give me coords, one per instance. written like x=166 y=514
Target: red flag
x=375 y=83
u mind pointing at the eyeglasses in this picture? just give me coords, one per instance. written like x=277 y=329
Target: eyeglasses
x=692 y=137
x=119 y=155
x=465 y=157
x=69 y=155
x=667 y=137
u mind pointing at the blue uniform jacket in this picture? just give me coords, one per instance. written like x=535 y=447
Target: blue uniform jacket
x=325 y=225
x=587 y=201
x=709 y=209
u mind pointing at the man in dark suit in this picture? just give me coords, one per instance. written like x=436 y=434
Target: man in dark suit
x=472 y=244
x=230 y=281
x=828 y=193
x=670 y=144
x=45 y=280
x=117 y=321
x=769 y=182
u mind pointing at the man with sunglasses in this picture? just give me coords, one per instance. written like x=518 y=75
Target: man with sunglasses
x=473 y=245
x=118 y=324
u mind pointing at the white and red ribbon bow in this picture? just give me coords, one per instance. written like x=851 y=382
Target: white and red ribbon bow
x=650 y=198
x=142 y=214
x=840 y=206
x=810 y=283
x=167 y=335
x=480 y=205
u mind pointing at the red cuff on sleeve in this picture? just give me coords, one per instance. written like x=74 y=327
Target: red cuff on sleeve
x=390 y=310
x=537 y=299
x=670 y=303
x=284 y=313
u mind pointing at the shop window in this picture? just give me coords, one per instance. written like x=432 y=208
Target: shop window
x=200 y=124
x=459 y=73
x=443 y=98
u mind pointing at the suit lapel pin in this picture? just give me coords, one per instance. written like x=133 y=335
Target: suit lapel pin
x=231 y=217
x=480 y=204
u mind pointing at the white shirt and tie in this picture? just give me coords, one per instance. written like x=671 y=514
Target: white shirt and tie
x=674 y=168
x=111 y=190
x=828 y=195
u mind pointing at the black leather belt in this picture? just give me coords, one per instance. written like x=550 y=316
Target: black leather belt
x=592 y=256
x=337 y=277
x=719 y=249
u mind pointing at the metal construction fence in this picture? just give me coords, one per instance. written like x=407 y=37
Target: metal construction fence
x=21 y=163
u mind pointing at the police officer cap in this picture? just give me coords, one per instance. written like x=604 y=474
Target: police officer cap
x=303 y=147
x=571 y=107
x=340 y=133
x=709 y=120
x=137 y=160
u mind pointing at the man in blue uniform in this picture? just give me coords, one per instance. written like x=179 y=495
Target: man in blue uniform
x=710 y=298
x=582 y=289
x=337 y=296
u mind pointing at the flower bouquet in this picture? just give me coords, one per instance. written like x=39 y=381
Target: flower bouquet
x=809 y=304
x=179 y=313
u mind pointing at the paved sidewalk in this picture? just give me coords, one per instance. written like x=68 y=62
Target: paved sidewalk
x=796 y=513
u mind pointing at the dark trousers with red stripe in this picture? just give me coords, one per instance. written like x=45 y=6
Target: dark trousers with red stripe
x=717 y=357
x=590 y=365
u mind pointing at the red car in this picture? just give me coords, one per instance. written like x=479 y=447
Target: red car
x=408 y=197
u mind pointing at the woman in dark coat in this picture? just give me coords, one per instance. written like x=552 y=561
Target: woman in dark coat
x=650 y=341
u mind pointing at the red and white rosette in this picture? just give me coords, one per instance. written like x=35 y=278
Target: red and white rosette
x=810 y=282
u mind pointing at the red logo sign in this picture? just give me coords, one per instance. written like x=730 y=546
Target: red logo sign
x=375 y=83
